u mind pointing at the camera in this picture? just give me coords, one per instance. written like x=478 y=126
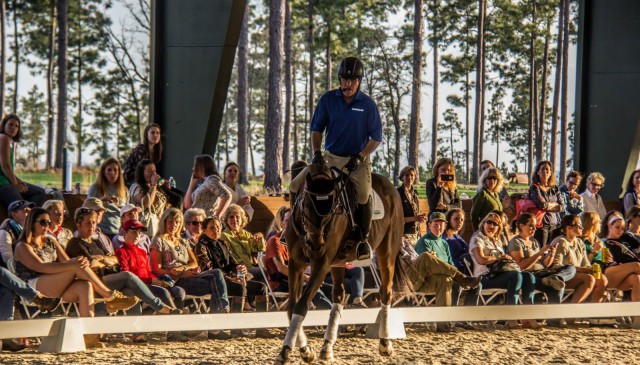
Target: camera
x=446 y=177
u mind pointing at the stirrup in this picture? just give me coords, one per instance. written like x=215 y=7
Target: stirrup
x=363 y=251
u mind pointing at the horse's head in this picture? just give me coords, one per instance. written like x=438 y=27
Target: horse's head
x=318 y=204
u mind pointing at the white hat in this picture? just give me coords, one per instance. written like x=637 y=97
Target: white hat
x=129 y=207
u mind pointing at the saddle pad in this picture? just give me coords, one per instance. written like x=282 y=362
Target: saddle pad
x=378 y=207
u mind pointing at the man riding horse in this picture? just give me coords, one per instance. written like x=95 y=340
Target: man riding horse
x=353 y=131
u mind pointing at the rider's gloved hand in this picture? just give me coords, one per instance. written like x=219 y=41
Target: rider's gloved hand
x=317 y=157
x=353 y=163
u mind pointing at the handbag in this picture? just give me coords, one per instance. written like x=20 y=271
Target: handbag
x=502 y=266
x=527 y=205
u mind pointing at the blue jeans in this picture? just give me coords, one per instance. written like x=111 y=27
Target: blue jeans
x=208 y=282
x=10 y=285
x=565 y=273
x=173 y=297
x=9 y=194
x=353 y=283
x=510 y=280
x=130 y=284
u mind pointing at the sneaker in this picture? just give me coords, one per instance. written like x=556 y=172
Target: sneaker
x=46 y=304
x=358 y=305
x=468 y=282
x=218 y=335
x=12 y=345
x=264 y=333
x=558 y=323
x=177 y=337
x=119 y=301
x=553 y=281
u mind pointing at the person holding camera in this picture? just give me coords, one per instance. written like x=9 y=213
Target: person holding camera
x=488 y=198
x=442 y=193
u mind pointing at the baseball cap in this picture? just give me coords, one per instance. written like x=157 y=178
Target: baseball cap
x=19 y=205
x=437 y=216
x=133 y=224
x=129 y=207
x=94 y=204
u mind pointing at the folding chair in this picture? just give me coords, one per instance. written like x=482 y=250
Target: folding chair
x=274 y=295
x=199 y=302
x=492 y=294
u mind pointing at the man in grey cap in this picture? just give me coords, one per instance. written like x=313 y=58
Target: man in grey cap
x=11 y=229
x=96 y=205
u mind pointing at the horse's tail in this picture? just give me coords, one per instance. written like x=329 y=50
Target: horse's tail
x=401 y=280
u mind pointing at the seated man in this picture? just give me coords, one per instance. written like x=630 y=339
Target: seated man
x=96 y=205
x=11 y=229
x=130 y=212
x=434 y=271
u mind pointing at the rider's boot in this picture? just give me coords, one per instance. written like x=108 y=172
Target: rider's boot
x=364 y=212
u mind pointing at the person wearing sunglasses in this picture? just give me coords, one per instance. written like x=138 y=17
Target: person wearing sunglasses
x=57 y=212
x=488 y=198
x=570 y=250
x=193 y=220
x=592 y=200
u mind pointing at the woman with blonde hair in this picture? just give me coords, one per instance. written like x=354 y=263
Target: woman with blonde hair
x=591 y=196
x=244 y=245
x=442 y=192
x=276 y=224
x=488 y=198
x=57 y=211
x=591 y=228
x=109 y=187
x=172 y=255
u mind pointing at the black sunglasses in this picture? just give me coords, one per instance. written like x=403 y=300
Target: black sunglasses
x=493 y=223
x=44 y=222
x=196 y=223
x=491 y=178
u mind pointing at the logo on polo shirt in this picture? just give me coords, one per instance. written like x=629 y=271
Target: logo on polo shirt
x=357 y=109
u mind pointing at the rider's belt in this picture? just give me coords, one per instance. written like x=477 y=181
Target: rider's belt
x=339 y=155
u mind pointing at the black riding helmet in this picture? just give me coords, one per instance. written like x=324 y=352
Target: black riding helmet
x=351 y=67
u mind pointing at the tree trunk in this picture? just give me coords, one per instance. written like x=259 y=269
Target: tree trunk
x=565 y=63
x=483 y=113
x=532 y=93
x=312 y=70
x=63 y=8
x=328 y=56
x=477 y=137
x=436 y=84
x=414 y=125
x=16 y=56
x=556 y=87
x=467 y=112
x=273 y=135
x=295 y=111
x=50 y=53
x=243 y=93
x=79 y=139
x=542 y=117
x=287 y=86
x=3 y=51
x=226 y=133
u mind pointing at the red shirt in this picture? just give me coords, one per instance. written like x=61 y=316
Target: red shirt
x=134 y=259
x=275 y=248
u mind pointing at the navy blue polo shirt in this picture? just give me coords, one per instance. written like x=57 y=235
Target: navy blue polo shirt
x=348 y=127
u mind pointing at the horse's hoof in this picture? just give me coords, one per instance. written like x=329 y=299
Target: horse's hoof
x=326 y=352
x=308 y=354
x=386 y=348
x=283 y=357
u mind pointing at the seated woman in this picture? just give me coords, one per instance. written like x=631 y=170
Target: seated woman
x=146 y=193
x=172 y=255
x=10 y=231
x=486 y=249
x=591 y=228
x=57 y=212
x=244 y=245
x=506 y=235
x=11 y=187
x=631 y=196
x=106 y=265
x=110 y=189
x=488 y=198
x=193 y=220
x=43 y=264
x=633 y=222
x=276 y=224
x=410 y=205
x=623 y=273
x=591 y=196
x=150 y=149
x=442 y=193
x=570 y=250
x=457 y=245
x=136 y=260
x=206 y=189
x=573 y=202
x=532 y=258
x=239 y=196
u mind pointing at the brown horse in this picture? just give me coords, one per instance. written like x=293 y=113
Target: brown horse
x=317 y=235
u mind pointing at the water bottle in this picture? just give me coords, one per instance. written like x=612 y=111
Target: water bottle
x=240 y=275
x=172 y=182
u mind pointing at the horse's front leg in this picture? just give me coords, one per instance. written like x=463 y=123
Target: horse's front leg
x=338 y=300
x=386 y=291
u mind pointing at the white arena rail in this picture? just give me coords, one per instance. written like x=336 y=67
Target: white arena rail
x=65 y=334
